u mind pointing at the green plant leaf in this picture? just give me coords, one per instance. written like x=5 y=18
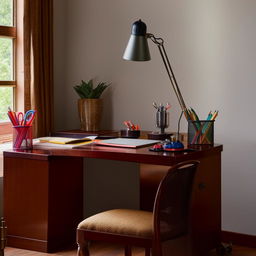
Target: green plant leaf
x=86 y=90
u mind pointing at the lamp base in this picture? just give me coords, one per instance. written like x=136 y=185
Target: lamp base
x=173 y=146
x=159 y=136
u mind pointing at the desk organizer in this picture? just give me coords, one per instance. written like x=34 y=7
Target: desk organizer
x=201 y=132
x=130 y=134
x=22 y=137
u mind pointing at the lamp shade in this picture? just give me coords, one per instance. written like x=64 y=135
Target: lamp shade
x=137 y=47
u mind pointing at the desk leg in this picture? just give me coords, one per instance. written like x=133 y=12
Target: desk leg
x=43 y=201
x=206 y=201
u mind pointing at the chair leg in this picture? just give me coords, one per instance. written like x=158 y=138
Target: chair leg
x=147 y=251
x=83 y=249
x=128 y=250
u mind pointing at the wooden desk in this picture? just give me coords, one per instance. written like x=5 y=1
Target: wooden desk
x=43 y=190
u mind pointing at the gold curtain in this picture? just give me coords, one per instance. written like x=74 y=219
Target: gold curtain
x=38 y=63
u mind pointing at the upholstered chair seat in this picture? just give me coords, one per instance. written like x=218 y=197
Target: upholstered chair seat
x=121 y=221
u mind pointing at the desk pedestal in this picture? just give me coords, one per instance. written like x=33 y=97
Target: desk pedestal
x=43 y=201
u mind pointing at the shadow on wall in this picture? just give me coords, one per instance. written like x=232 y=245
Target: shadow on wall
x=1 y=196
x=107 y=116
x=110 y=184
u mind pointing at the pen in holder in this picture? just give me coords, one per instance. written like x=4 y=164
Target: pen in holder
x=131 y=131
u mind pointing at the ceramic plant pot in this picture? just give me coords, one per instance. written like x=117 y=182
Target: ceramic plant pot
x=90 y=114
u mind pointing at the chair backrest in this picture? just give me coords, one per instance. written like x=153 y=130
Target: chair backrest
x=172 y=202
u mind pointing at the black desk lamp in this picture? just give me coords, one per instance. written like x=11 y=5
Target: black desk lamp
x=137 y=50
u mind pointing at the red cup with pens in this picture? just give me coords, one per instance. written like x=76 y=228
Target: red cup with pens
x=22 y=128
x=131 y=131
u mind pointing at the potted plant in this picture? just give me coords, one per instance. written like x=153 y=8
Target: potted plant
x=90 y=104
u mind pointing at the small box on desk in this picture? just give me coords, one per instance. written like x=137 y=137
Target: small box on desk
x=130 y=133
x=201 y=132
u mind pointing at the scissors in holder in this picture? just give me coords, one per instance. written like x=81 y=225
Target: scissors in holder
x=20 y=117
x=29 y=117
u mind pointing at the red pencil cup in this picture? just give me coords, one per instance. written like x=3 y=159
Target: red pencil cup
x=22 y=137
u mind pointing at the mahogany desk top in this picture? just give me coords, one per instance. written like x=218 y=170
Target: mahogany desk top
x=139 y=155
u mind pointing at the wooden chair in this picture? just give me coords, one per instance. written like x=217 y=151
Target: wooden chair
x=169 y=219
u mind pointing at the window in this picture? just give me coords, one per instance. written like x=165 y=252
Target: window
x=7 y=64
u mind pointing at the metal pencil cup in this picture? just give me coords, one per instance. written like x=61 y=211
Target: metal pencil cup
x=201 y=132
x=162 y=120
x=22 y=137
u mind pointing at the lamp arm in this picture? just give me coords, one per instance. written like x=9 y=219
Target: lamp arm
x=160 y=44
x=173 y=77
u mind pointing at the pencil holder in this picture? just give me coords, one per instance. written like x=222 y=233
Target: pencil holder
x=22 y=137
x=201 y=132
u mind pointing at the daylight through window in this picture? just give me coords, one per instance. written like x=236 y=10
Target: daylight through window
x=7 y=57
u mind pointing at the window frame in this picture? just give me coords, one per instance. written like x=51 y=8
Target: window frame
x=10 y=32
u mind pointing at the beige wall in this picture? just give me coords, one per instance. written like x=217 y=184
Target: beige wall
x=211 y=45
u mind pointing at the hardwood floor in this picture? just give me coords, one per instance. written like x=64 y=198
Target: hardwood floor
x=101 y=249
x=97 y=249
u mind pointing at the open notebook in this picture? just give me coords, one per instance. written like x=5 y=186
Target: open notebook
x=65 y=140
x=61 y=142
x=126 y=143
